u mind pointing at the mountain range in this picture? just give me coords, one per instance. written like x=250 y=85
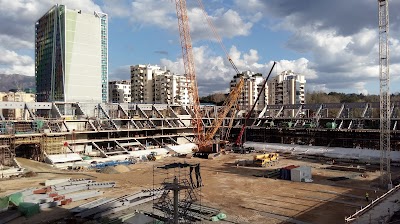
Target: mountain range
x=16 y=81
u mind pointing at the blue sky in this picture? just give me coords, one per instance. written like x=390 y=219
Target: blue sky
x=333 y=43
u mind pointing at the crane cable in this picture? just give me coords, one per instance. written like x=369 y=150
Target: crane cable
x=217 y=36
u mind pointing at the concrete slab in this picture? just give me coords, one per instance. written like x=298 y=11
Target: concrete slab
x=366 y=155
x=382 y=212
x=50 y=182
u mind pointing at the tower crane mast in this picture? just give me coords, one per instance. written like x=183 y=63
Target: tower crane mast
x=384 y=78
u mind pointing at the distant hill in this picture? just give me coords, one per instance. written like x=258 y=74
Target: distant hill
x=16 y=81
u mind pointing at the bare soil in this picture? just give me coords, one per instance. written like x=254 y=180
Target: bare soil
x=235 y=190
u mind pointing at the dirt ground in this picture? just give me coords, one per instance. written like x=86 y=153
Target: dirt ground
x=235 y=190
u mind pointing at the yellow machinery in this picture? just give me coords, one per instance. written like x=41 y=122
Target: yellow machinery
x=153 y=156
x=264 y=160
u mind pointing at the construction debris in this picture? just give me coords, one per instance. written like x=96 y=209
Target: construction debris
x=11 y=172
x=63 y=191
x=104 y=207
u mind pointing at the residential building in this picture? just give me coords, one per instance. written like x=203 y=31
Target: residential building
x=71 y=56
x=171 y=89
x=252 y=86
x=15 y=96
x=151 y=84
x=142 y=83
x=286 y=88
x=119 y=91
x=182 y=94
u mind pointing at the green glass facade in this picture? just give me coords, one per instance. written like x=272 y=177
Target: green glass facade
x=49 y=64
x=104 y=58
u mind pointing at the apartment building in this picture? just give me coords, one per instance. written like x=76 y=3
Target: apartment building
x=15 y=96
x=142 y=82
x=71 y=56
x=286 y=88
x=119 y=91
x=252 y=86
x=153 y=84
x=182 y=94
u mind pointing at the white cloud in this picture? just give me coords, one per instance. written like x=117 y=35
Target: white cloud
x=158 y=13
x=343 y=43
x=252 y=6
x=342 y=62
x=317 y=88
x=214 y=72
x=360 y=87
x=15 y=43
x=162 y=14
x=116 y=8
x=13 y=63
x=17 y=28
x=301 y=66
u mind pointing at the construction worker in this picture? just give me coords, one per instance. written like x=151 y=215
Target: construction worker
x=367 y=197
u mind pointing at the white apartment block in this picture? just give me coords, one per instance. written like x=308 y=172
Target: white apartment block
x=151 y=84
x=252 y=86
x=183 y=90
x=286 y=88
x=119 y=91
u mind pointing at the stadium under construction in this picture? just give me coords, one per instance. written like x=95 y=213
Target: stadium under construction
x=75 y=130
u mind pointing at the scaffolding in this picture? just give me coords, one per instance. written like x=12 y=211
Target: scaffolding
x=384 y=78
x=181 y=186
x=6 y=128
x=7 y=152
x=25 y=127
x=53 y=145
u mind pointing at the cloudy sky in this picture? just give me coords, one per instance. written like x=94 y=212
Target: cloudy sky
x=333 y=43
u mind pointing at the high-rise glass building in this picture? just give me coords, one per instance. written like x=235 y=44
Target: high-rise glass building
x=71 y=56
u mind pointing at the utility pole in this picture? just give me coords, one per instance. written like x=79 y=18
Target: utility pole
x=384 y=78
x=176 y=201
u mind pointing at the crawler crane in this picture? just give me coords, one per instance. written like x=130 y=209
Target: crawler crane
x=203 y=138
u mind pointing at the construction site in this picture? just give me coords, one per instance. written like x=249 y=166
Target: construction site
x=83 y=162
x=76 y=140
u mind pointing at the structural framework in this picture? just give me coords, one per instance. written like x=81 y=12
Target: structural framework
x=384 y=78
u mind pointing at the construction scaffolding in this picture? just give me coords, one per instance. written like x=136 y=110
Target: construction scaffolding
x=52 y=145
x=181 y=186
x=384 y=81
x=7 y=152
x=25 y=127
x=6 y=128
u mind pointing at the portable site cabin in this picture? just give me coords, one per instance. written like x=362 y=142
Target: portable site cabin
x=301 y=174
